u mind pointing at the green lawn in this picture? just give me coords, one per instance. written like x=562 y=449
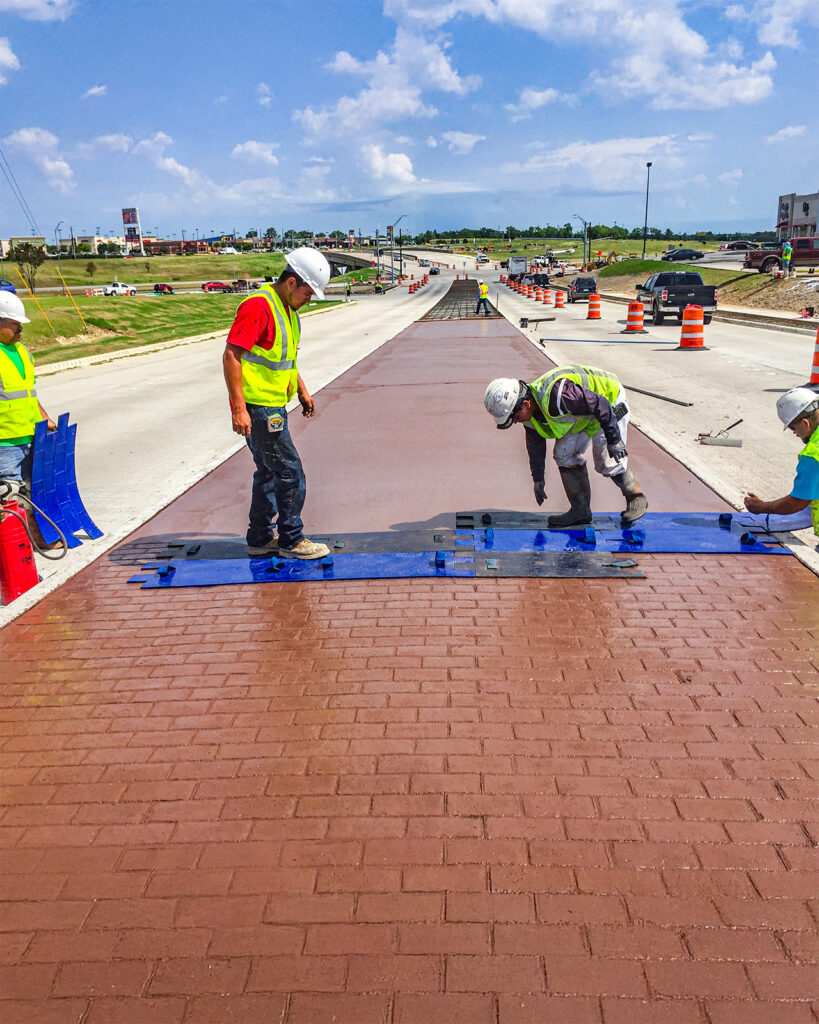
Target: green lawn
x=537 y=246
x=710 y=275
x=121 y=322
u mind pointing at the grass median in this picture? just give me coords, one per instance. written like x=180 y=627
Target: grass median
x=123 y=322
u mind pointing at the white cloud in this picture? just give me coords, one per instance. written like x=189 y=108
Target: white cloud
x=264 y=93
x=392 y=91
x=730 y=177
x=786 y=23
x=792 y=131
x=700 y=137
x=40 y=147
x=255 y=152
x=39 y=10
x=608 y=165
x=461 y=143
x=95 y=90
x=392 y=168
x=114 y=143
x=154 y=149
x=220 y=99
x=8 y=59
x=432 y=142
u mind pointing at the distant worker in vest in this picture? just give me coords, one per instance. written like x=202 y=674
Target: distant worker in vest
x=348 y=291
x=20 y=409
x=572 y=406
x=787 y=253
x=483 y=298
x=798 y=409
x=262 y=376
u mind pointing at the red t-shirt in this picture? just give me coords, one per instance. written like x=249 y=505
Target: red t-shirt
x=254 y=325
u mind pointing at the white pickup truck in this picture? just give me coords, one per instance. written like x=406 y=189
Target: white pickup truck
x=117 y=288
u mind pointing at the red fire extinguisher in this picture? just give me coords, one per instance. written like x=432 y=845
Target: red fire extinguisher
x=18 y=573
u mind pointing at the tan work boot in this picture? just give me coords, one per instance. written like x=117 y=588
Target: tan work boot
x=270 y=548
x=636 y=501
x=306 y=549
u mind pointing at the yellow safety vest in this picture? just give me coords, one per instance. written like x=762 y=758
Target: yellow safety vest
x=811 y=451
x=269 y=376
x=601 y=383
x=19 y=409
x=484 y=290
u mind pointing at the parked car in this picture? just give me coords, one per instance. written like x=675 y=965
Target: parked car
x=671 y=291
x=117 y=288
x=423 y=263
x=228 y=250
x=805 y=254
x=7 y=286
x=163 y=289
x=682 y=254
x=243 y=285
x=217 y=286
x=434 y=270
x=741 y=244
x=581 y=288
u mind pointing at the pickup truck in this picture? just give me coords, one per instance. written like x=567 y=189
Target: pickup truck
x=805 y=254
x=670 y=291
x=118 y=289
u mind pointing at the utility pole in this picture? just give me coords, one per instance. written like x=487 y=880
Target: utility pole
x=645 y=222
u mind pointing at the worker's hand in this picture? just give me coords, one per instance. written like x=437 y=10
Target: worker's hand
x=308 y=406
x=51 y=424
x=754 y=503
x=540 y=491
x=618 y=451
x=241 y=421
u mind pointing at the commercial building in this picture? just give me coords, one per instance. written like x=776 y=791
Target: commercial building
x=797 y=216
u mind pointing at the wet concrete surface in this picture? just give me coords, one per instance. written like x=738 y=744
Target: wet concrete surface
x=402 y=440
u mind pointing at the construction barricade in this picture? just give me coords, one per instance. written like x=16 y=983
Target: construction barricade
x=593 y=312
x=691 y=335
x=547 y=296
x=814 y=373
x=560 y=301
x=634 y=320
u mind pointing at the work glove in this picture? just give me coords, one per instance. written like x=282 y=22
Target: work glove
x=540 y=491
x=618 y=451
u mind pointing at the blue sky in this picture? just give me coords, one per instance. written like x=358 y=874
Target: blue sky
x=223 y=114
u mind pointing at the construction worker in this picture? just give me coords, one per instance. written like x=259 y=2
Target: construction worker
x=787 y=253
x=798 y=409
x=261 y=375
x=571 y=405
x=20 y=409
x=483 y=299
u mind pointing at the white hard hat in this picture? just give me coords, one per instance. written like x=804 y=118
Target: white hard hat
x=795 y=403
x=312 y=267
x=480 y=282
x=500 y=399
x=11 y=308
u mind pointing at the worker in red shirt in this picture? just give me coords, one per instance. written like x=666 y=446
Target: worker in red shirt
x=261 y=376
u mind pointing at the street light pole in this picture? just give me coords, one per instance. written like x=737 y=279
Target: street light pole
x=645 y=222
x=57 y=239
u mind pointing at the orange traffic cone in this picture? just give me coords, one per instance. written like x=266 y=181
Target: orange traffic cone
x=692 y=330
x=538 y=294
x=814 y=373
x=560 y=301
x=530 y=291
x=594 y=307
x=547 y=297
x=634 y=321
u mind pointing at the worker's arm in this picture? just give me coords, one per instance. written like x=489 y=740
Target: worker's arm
x=778 y=507
x=49 y=421
x=232 y=366
x=536 y=450
x=308 y=406
x=575 y=400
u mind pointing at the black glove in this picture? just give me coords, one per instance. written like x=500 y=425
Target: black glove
x=618 y=451
x=540 y=491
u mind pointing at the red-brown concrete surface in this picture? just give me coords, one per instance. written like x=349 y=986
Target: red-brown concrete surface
x=409 y=802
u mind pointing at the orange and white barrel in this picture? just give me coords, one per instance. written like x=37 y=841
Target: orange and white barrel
x=634 y=321
x=814 y=373
x=560 y=301
x=594 y=307
x=547 y=296
x=691 y=335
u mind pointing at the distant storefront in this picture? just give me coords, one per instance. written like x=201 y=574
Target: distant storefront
x=797 y=216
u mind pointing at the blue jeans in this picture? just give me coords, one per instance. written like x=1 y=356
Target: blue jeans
x=15 y=461
x=279 y=486
x=485 y=304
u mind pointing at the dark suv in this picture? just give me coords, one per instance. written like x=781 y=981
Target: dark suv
x=581 y=288
x=163 y=289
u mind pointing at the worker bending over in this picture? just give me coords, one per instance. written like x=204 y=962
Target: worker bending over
x=798 y=409
x=572 y=406
x=261 y=375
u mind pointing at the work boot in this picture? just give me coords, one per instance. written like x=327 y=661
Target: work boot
x=636 y=501
x=578 y=490
x=305 y=549
x=270 y=547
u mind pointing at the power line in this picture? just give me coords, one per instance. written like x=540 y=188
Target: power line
x=8 y=173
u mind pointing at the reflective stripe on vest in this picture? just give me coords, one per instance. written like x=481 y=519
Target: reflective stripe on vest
x=811 y=451
x=588 y=377
x=269 y=376
x=484 y=291
x=20 y=410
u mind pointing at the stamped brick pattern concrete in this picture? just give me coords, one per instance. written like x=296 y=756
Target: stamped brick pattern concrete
x=409 y=802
